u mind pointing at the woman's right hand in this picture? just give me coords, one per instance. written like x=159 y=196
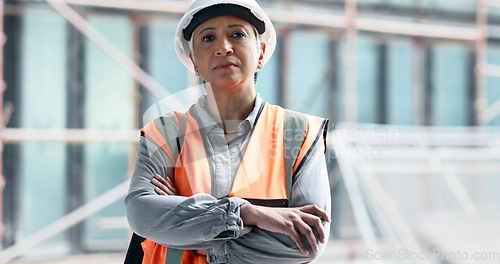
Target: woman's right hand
x=288 y=221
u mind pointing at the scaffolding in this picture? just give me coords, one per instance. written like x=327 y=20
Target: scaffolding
x=350 y=23
x=2 y=125
x=485 y=112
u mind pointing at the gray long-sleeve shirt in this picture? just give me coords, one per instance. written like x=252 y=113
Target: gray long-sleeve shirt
x=213 y=221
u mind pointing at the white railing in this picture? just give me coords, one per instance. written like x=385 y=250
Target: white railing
x=439 y=173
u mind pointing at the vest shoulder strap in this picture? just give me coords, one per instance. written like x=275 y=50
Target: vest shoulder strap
x=301 y=133
x=175 y=126
x=172 y=128
x=181 y=133
x=294 y=128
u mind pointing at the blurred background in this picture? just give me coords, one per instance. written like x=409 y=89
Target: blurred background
x=411 y=88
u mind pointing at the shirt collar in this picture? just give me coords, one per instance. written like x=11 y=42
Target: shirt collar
x=208 y=122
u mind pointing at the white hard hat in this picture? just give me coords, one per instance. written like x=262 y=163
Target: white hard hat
x=251 y=12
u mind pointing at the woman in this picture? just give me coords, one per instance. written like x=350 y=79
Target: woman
x=234 y=179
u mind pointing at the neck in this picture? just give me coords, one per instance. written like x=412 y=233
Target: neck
x=231 y=104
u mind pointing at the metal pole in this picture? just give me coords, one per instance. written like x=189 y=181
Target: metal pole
x=491 y=112
x=140 y=75
x=284 y=79
x=351 y=89
x=298 y=17
x=66 y=221
x=493 y=3
x=69 y=136
x=388 y=208
x=3 y=86
x=418 y=87
x=481 y=42
x=354 y=192
x=438 y=167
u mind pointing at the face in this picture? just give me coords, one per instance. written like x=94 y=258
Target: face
x=225 y=51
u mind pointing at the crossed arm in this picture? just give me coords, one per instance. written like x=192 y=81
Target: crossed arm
x=293 y=222
x=278 y=235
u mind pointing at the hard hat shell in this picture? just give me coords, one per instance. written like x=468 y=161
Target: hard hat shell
x=182 y=47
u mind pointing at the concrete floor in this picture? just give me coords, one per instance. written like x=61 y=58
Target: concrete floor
x=337 y=252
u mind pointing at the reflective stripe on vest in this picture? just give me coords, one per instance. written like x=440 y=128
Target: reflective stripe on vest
x=280 y=142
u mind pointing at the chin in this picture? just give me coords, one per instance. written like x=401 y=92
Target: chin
x=227 y=82
x=224 y=85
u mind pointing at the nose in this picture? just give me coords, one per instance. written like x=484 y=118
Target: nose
x=224 y=47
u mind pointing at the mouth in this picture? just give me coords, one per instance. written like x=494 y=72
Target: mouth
x=225 y=66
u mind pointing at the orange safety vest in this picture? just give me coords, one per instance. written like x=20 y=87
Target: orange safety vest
x=279 y=143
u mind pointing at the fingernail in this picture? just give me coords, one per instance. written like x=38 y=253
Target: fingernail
x=307 y=252
x=154 y=181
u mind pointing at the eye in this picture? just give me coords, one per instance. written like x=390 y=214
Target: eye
x=238 y=35
x=207 y=38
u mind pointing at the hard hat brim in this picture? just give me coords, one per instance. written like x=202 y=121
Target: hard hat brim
x=222 y=10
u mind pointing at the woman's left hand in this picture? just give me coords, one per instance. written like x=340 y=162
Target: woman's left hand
x=164 y=186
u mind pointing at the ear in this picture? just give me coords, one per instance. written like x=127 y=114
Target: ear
x=192 y=61
x=261 y=56
x=262 y=50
